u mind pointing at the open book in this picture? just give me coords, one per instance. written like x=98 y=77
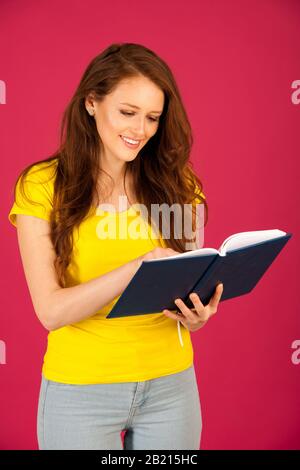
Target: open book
x=239 y=264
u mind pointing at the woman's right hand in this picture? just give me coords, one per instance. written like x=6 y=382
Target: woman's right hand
x=156 y=253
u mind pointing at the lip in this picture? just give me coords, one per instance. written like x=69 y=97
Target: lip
x=132 y=138
x=133 y=146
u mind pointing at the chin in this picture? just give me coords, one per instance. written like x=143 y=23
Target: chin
x=131 y=157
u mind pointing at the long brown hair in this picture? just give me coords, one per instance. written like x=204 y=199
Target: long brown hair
x=162 y=171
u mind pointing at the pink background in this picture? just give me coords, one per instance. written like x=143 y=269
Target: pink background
x=234 y=62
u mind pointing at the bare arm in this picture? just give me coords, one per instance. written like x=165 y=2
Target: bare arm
x=72 y=304
x=56 y=306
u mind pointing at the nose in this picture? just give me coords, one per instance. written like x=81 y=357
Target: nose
x=139 y=129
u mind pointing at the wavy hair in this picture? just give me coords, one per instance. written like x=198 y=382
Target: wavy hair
x=162 y=172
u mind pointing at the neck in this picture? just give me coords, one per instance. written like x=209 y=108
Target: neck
x=115 y=169
x=117 y=175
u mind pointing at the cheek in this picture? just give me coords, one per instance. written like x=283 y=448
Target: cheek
x=114 y=123
x=108 y=125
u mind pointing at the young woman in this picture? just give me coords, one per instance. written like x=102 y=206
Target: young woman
x=124 y=133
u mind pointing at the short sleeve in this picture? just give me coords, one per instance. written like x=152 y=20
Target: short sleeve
x=200 y=193
x=37 y=201
x=198 y=242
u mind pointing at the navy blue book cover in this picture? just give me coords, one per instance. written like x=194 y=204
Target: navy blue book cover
x=156 y=284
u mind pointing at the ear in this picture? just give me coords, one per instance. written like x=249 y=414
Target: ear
x=89 y=101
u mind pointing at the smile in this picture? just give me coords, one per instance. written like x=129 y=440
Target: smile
x=131 y=143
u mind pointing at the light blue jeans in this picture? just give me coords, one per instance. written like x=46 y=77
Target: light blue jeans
x=161 y=413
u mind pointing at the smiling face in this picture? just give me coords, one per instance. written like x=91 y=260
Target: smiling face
x=116 y=119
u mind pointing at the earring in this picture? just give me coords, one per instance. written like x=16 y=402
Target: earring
x=91 y=112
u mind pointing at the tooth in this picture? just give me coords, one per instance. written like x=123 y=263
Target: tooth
x=131 y=141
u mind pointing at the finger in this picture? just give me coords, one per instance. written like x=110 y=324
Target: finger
x=214 y=301
x=201 y=312
x=175 y=316
x=188 y=314
x=197 y=303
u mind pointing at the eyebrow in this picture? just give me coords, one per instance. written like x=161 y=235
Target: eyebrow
x=136 y=107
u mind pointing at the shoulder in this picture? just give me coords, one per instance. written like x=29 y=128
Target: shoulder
x=194 y=185
x=34 y=191
x=38 y=179
x=199 y=195
x=42 y=172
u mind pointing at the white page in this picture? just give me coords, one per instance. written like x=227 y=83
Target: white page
x=239 y=240
x=200 y=251
x=233 y=242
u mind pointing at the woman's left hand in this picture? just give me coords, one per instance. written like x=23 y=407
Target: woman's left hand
x=195 y=318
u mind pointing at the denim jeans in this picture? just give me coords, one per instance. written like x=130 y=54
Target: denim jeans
x=161 y=413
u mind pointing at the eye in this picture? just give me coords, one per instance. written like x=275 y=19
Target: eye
x=132 y=114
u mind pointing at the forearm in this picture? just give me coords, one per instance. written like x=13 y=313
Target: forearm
x=72 y=304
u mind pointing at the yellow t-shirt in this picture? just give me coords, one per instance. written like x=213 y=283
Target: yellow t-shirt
x=96 y=349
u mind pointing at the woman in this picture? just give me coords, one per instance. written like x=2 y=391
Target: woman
x=124 y=133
